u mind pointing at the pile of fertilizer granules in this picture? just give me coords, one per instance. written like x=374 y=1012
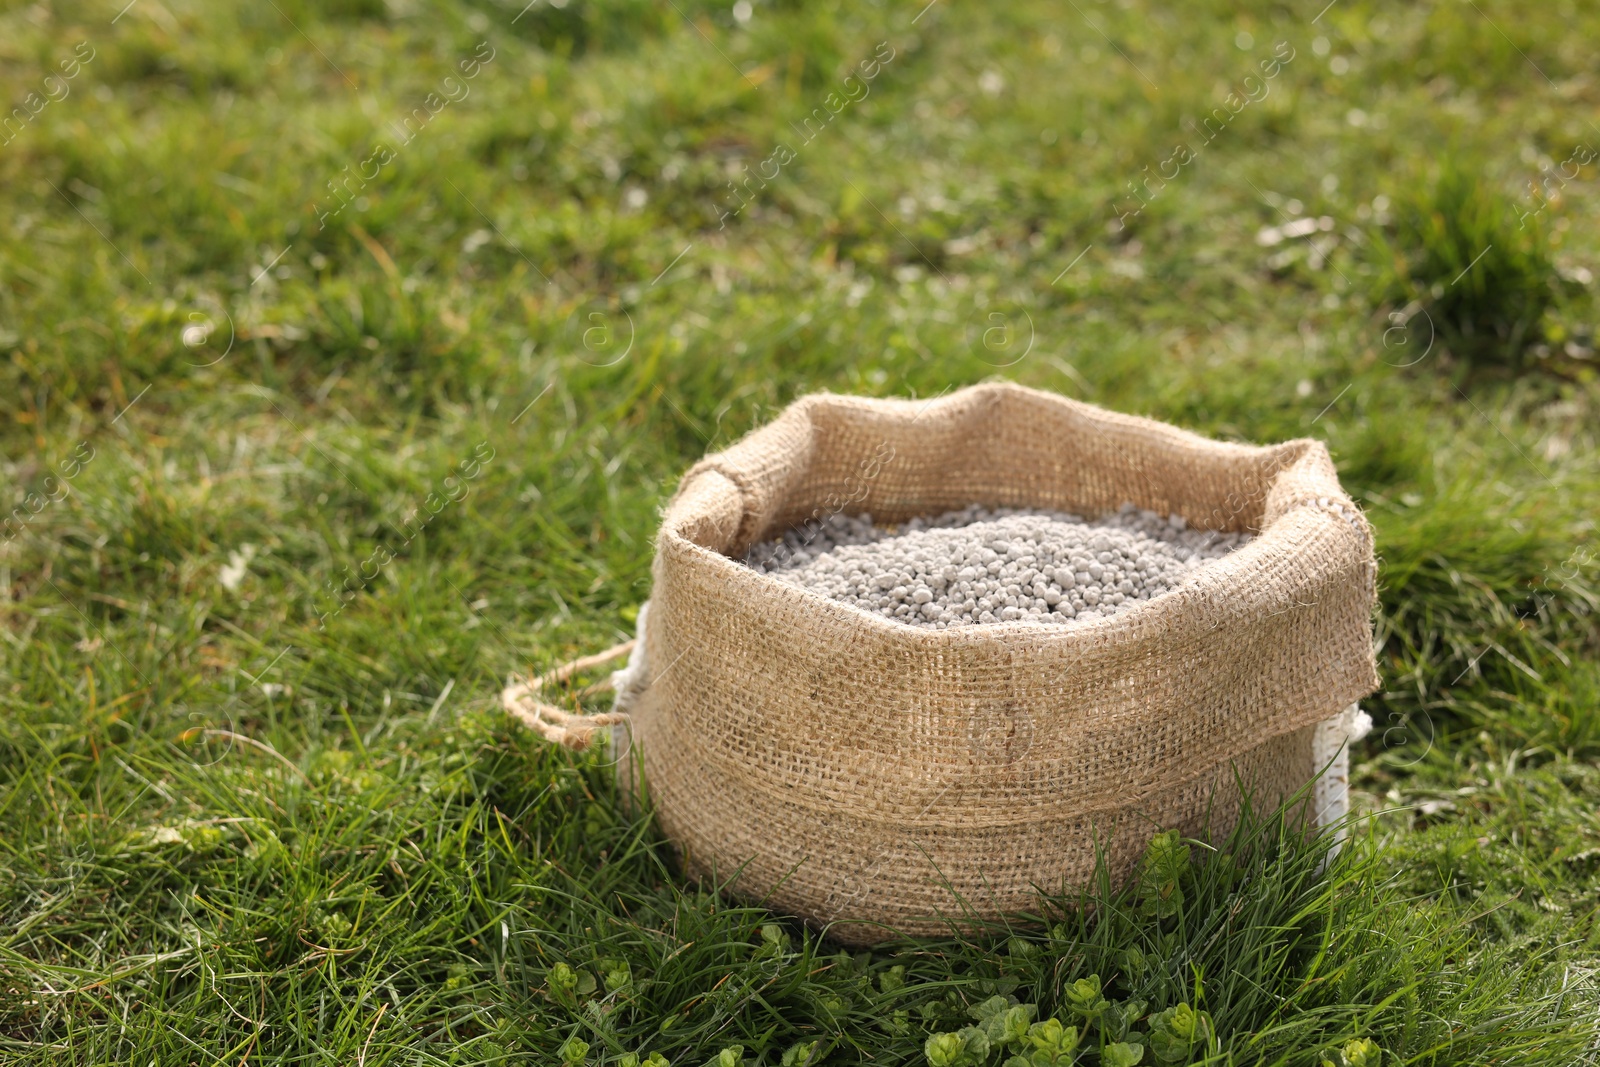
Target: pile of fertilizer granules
x=982 y=565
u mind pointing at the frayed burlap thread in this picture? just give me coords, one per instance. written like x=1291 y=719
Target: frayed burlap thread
x=877 y=778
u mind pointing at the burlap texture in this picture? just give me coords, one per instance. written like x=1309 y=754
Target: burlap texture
x=883 y=778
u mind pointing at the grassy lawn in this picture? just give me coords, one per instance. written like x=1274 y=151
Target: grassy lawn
x=271 y=271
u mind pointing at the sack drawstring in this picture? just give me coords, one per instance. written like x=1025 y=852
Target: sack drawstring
x=573 y=730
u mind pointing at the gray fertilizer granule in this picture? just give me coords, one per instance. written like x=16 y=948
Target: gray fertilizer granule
x=982 y=565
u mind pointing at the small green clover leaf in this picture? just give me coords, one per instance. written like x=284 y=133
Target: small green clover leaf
x=801 y=1054
x=1052 y=1043
x=1016 y=946
x=1180 y=1021
x=574 y=1050
x=1003 y=1021
x=1083 y=998
x=1010 y=1027
x=1362 y=1052
x=732 y=1056
x=1357 y=1052
x=563 y=981
x=335 y=926
x=1173 y=1034
x=968 y=1047
x=456 y=976
x=834 y=1004
x=976 y=1043
x=617 y=975
x=892 y=981
x=773 y=938
x=944 y=1050
x=1118 y=1018
x=1169 y=1049
x=1121 y=1054
x=1084 y=990
x=848 y=966
x=988 y=1009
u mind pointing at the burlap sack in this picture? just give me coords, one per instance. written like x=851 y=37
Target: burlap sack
x=878 y=778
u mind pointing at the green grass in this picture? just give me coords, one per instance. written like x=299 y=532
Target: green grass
x=229 y=834
x=1463 y=252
